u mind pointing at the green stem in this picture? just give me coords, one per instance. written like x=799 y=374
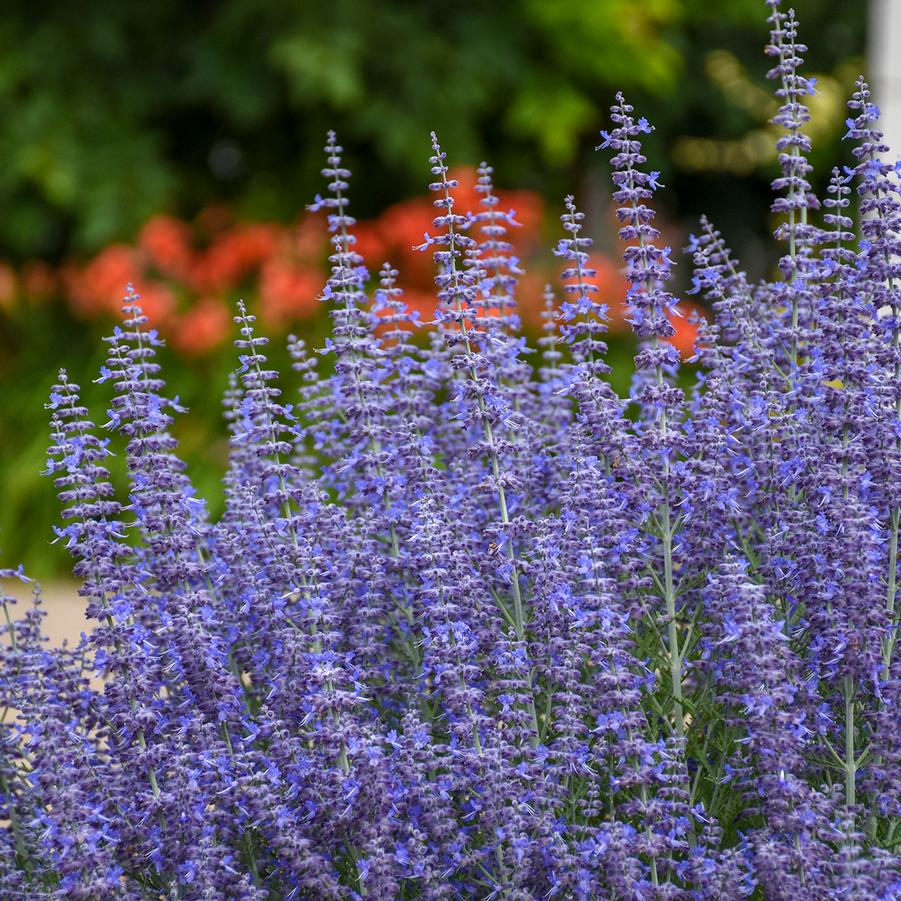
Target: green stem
x=675 y=655
x=850 y=759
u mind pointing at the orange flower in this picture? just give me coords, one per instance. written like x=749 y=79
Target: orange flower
x=234 y=255
x=372 y=243
x=400 y=228
x=686 y=328
x=98 y=287
x=611 y=291
x=421 y=302
x=394 y=234
x=38 y=280
x=310 y=239
x=465 y=195
x=157 y=301
x=527 y=206
x=288 y=292
x=167 y=242
x=530 y=297
x=205 y=326
x=529 y=209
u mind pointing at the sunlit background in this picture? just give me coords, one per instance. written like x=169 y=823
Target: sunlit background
x=176 y=144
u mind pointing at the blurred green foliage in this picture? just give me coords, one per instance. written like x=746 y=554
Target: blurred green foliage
x=113 y=111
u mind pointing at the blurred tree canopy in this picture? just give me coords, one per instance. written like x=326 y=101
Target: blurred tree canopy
x=114 y=111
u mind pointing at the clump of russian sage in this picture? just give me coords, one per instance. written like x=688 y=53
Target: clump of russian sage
x=472 y=625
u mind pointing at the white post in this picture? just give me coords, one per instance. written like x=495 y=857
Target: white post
x=884 y=75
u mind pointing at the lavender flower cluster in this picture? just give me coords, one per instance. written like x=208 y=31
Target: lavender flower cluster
x=476 y=627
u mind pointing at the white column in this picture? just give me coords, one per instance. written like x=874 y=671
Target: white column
x=884 y=75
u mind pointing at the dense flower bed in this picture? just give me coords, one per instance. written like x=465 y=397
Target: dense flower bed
x=188 y=273
x=470 y=628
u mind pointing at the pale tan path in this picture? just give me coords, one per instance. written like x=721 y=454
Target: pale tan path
x=65 y=619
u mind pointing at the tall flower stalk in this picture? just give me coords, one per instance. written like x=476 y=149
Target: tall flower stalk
x=651 y=306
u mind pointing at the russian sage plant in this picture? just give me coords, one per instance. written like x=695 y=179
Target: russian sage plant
x=472 y=625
